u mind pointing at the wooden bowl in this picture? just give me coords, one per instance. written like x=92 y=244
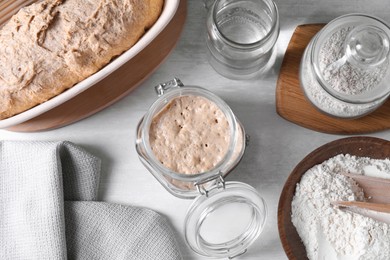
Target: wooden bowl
x=360 y=146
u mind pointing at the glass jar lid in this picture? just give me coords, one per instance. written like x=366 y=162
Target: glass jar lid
x=351 y=58
x=226 y=220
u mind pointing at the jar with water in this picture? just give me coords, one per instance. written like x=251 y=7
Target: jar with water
x=241 y=35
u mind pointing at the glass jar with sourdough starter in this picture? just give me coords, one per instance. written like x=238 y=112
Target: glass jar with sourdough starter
x=345 y=69
x=241 y=35
x=212 y=226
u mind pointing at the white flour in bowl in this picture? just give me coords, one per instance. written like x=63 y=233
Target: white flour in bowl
x=324 y=228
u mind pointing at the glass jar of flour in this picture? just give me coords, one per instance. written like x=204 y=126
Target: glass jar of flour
x=189 y=139
x=345 y=69
x=241 y=35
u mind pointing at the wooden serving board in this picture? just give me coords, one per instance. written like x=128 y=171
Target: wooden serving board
x=115 y=86
x=292 y=105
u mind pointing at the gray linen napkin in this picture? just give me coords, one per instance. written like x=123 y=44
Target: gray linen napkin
x=36 y=223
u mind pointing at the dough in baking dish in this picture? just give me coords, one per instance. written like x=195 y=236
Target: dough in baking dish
x=51 y=45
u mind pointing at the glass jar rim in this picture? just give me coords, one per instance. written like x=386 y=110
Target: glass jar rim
x=203 y=207
x=254 y=45
x=186 y=91
x=319 y=38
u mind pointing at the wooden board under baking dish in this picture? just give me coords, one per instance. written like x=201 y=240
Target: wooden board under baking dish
x=292 y=105
x=115 y=86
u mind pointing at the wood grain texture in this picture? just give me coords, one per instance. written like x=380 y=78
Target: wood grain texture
x=379 y=207
x=359 y=146
x=292 y=105
x=115 y=86
x=377 y=189
x=10 y=7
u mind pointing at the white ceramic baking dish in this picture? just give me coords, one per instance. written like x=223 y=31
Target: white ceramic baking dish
x=169 y=10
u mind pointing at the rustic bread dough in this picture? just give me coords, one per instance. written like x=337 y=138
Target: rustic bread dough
x=51 y=45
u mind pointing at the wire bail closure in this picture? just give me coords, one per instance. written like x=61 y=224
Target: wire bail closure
x=220 y=183
x=163 y=87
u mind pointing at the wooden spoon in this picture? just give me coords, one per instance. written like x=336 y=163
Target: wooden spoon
x=377 y=190
x=379 y=207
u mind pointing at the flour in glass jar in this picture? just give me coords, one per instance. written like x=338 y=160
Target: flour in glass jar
x=329 y=232
x=347 y=79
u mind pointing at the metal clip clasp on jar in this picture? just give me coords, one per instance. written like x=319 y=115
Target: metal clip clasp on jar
x=220 y=183
x=216 y=202
x=163 y=87
x=180 y=184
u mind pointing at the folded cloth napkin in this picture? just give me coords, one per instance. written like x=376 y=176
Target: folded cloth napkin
x=47 y=209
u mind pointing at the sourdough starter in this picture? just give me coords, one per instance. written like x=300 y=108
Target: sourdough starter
x=190 y=135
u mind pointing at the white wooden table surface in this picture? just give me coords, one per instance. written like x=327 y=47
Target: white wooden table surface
x=276 y=144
